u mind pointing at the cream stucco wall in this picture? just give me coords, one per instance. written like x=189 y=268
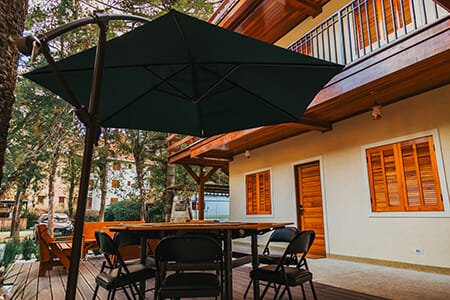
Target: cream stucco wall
x=351 y=230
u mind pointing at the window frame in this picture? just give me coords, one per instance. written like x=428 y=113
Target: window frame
x=272 y=202
x=440 y=172
x=113 y=181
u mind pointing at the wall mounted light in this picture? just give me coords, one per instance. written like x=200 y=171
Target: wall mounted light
x=247 y=153
x=376 y=112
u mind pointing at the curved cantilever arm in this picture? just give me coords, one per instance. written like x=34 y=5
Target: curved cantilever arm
x=25 y=44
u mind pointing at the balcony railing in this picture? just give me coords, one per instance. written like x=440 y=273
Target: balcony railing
x=363 y=26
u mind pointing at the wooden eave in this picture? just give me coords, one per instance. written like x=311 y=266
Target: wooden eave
x=266 y=20
x=412 y=65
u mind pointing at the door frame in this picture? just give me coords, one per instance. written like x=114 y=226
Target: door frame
x=322 y=185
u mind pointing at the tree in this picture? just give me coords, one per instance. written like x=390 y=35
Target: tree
x=12 y=14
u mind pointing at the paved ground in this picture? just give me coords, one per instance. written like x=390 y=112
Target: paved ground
x=392 y=283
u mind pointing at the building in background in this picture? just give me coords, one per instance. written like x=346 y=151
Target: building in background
x=217 y=202
x=365 y=167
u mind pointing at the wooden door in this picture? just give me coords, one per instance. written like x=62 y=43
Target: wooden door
x=309 y=204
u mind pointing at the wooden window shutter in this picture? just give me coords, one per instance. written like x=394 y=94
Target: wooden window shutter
x=404 y=176
x=422 y=188
x=258 y=193
x=385 y=184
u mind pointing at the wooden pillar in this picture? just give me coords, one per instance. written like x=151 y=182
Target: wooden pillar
x=201 y=194
x=201 y=179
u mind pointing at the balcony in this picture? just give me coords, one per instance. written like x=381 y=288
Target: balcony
x=392 y=50
x=365 y=26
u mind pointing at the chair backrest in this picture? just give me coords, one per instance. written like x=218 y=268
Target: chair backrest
x=283 y=235
x=301 y=244
x=106 y=244
x=188 y=249
x=44 y=238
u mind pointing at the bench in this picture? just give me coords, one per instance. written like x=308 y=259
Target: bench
x=128 y=252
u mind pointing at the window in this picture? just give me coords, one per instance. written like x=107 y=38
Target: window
x=115 y=183
x=370 y=16
x=404 y=177
x=61 y=200
x=258 y=193
x=129 y=183
x=116 y=166
x=89 y=203
x=41 y=199
x=91 y=183
x=113 y=200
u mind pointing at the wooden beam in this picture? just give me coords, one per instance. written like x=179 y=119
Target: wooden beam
x=201 y=195
x=309 y=7
x=192 y=173
x=226 y=170
x=210 y=173
x=444 y=3
x=314 y=124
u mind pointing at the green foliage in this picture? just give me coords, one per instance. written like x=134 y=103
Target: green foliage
x=12 y=249
x=28 y=247
x=32 y=216
x=91 y=216
x=126 y=210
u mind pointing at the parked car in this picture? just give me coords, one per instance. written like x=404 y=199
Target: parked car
x=62 y=224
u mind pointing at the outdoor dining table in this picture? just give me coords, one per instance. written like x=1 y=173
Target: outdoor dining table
x=228 y=231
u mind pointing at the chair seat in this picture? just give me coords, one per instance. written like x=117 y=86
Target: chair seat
x=110 y=278
x=294 y=276
x=192 y=284
x=149 y=262
x=275 y=260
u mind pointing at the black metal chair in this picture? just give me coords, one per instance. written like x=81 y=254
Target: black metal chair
x=282 y=235
x=116 y=273
x=179 y=260
x=287 y=276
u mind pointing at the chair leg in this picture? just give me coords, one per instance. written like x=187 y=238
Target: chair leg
x=277 y=290
x=289 y=292
x=265 y=291
x=138 y=291
x=109 y=295
x=113 y=294
x=282 y=293
x=126 y=293
x=248 y=288
x=303 y=291
x=95 y=292
x=313 y=290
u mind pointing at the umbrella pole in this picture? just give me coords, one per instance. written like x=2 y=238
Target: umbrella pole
x=92 y=134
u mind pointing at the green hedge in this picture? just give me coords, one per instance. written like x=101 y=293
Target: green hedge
x=126 y=210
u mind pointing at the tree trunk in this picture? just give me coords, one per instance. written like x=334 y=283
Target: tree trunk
x=15 y=220
x=169 y=193
x=139 y=164
x=104 y=190
x=138 y=155
x=71 y=196
x=12 y=16
x=51 y=189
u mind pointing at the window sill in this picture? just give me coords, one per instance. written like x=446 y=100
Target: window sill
x=411 y=214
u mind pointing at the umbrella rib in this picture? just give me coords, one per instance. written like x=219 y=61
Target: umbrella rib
x=294 y=65
x=291 y=116
x=217 y=83
x=168 y=83
x=136 y=99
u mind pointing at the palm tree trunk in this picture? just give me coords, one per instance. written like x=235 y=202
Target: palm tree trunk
x=12 y=16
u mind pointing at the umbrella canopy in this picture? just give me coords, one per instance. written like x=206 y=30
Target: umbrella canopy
x=179 y=74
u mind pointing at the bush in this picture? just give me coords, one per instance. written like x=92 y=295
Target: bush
x=91 y=216
x=12 y=248
x=32 y=216
x=126 y=210
x=28 y=248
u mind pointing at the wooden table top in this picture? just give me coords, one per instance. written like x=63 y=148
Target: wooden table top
x=164 y=226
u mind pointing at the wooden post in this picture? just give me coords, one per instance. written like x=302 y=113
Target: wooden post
x=201 y=194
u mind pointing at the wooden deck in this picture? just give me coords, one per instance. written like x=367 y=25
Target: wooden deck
x=52 y=286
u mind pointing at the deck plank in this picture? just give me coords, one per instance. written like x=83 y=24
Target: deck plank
x=52 y=286
x=32 y=283
x=21 y=281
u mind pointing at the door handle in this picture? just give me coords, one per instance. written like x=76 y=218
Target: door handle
x=301 y=209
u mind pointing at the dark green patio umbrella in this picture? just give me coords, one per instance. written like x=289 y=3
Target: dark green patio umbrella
x=174 y=74
x=180 y=74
